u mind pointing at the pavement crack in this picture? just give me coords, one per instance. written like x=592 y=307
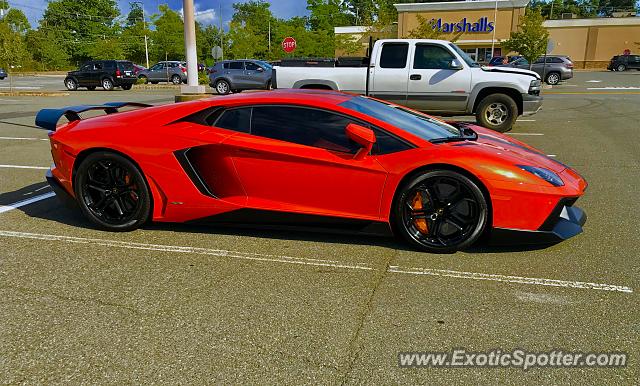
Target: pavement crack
x=354 y=348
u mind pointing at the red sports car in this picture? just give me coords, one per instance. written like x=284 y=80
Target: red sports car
x=310 y=158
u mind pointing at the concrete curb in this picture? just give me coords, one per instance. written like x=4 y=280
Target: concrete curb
x=33 y=93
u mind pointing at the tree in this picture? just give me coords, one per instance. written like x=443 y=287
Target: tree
x=531 y=38
x=136 y=14
x=243 y=42
x=207 y=38
x=13 y=48
x=133 y=35
x=45 y=46
x=252 y=17
x=168 y=37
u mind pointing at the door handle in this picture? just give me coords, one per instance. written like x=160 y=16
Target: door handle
x=415 y=77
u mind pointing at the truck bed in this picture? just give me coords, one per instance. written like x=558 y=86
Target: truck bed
x=347 y=79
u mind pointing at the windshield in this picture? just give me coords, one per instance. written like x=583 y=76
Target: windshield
x=465 y=57
x=264 y=64
x=415 y=123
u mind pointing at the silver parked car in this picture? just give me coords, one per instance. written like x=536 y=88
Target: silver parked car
x=167 y=71
x=237 y=75
x=558 y=67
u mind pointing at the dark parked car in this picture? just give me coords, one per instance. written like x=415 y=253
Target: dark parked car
x=166 y=71
x=237 y=75
x=558 y=67
x=3 y=74
x=103 y=73
x=137 y=68
x=624 y=63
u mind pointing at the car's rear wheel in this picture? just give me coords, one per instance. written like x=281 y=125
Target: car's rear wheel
x=112 y=192
x=440 y=211
x=175 y=79
x=71 y=84
x=553 y=78
x=621 y=67
x=107 y=84
x=223 y=87
x=497 y=112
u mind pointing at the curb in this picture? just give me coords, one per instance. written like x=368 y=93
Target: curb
x=33 y=93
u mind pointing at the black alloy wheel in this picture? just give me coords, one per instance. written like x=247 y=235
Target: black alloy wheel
x=112 y=192
x=441 y=211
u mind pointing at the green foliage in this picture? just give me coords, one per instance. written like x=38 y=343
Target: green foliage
x=168 y=37
x=531 y=38
x=13 y=46
x=46 y=48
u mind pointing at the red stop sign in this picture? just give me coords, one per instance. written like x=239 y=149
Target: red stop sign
x=289 y=44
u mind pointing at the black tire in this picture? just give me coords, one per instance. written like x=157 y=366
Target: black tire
x=223 y=87
x=268 y=85
x=107 y=84
x=176 y=79
x=497 y=112
x=127 y=86
x=144 y=79
x=621 y=67
x=112 y=192
x=71 y=84
x=91 y=88
x=553 y=78
x=154 y=82
x=454 y=217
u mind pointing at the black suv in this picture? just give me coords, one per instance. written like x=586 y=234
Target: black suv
x=104 y=73
x=624 y=62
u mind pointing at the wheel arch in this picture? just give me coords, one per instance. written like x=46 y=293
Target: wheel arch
x=442 y=166
x=489 y=90
x=156 y=192
x=320 y=84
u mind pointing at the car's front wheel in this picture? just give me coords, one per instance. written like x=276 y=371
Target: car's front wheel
x=71 y=84
x=497 y=112
x=440 y=211
x=112 y=192
x=223 y=87
x=107 y=84
x=621 y=67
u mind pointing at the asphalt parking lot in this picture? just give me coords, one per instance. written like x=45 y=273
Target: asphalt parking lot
x=187 y=304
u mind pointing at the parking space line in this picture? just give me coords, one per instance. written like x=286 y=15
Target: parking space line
x=24 y=167
x=318 y=262
x=526 y=120
x=16 y=205
x=510 y=279
x=25 y=138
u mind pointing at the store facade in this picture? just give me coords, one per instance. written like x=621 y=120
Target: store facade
x=480 y=25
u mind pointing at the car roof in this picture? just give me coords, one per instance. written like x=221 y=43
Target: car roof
x=303 y=96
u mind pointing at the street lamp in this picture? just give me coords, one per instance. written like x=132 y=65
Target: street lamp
x=144 y=24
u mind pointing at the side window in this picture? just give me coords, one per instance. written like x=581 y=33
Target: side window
x=387 y=144
x=87 y=67
x=98 y=66
x=110 y=65
x=251 y=66
x=225 y=65
x=394 y=55
x=235 y=119
x=303 y=126
x=236 y=66
x=430 y=56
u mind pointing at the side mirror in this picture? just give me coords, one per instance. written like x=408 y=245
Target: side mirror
x=260 y=69
x=455 y=64
x=363 y=136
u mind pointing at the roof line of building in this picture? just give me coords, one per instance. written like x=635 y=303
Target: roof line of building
x=460 y=5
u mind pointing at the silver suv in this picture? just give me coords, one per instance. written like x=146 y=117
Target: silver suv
x=167 y=71
x=237 y=75
x=558 y=67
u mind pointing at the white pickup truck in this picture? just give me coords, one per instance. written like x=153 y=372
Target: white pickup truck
x=433 y=76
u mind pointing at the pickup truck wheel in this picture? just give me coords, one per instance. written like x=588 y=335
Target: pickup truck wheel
x=497 y=112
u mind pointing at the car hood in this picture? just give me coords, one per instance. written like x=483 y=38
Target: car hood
x=510 y=70
x=511 y=150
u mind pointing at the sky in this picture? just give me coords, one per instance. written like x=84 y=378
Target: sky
x=207 y=11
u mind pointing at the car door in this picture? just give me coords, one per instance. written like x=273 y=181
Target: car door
x=390 y=75
x=83 y=74
x=235 y=74
x=634 y=62
x=254 y=75
x=433 y=84
x=298 y=159
x=157 y=72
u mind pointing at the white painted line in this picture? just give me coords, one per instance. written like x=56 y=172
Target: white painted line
x=613 y=88
x=551 y=155
x=6 y=208
x=510 y=279
x=525 y=133
x=21 y=87
x=24 y=167
x=594 y=81
x=25 y=138
x=316 y=262
x=526 y=120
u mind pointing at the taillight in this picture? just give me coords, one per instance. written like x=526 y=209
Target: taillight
x=183 y=69
x=569 y=65
x=118 y=73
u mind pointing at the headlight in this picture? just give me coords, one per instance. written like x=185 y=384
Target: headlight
x=535 y=86
x=543 y=173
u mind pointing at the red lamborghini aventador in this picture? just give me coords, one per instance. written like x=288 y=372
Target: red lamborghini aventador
x=310 y=158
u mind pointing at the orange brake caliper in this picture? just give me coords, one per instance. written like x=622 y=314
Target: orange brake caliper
x=420 y=223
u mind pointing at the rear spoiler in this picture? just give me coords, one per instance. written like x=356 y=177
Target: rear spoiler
x=48 y=118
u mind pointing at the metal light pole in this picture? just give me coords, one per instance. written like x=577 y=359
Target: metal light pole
x=495 y=25
x=144 y=24
x=190 y=49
